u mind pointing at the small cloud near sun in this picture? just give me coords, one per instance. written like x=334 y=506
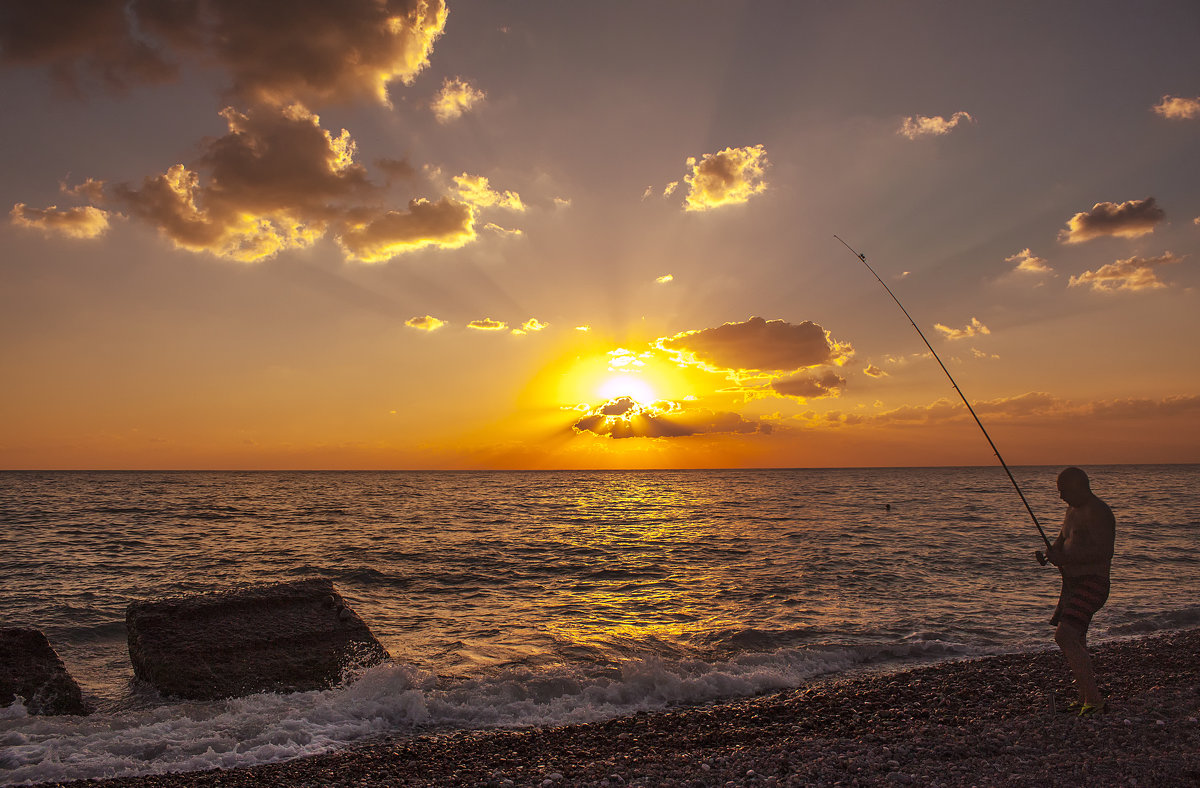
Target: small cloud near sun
x=529 y=326
x=1178 y=108
x=921 y=126
x=583 y=328
x=1132 y=274
x=425 y=323
x=874 y=371
x=662 y=280
x=625 y=417
x=728 y=177
x=1129 y=219
x=456 y=98
x=487 y=324
x=974 y=328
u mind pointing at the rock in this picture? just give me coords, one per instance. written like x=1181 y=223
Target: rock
x=30 y=668
x=284 y=637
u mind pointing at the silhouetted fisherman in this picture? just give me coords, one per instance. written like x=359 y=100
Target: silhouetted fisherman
x=1083 y=553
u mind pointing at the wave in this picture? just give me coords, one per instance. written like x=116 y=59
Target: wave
x=396 y=698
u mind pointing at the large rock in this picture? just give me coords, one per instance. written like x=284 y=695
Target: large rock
x=285 y=637
x=30 y=668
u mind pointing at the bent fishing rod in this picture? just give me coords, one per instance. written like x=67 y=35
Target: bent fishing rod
x=995 y=451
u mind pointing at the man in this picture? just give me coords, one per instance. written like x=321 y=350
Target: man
x=1083 y=552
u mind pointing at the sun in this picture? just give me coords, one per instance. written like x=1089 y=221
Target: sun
x=632 y=386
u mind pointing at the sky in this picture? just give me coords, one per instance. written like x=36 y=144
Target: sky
x=415 y=234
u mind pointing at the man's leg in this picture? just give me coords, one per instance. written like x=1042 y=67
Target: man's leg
x=1073 y=643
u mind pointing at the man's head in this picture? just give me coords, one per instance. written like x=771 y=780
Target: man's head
x=1074 y=487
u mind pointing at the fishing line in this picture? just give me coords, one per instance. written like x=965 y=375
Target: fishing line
x=995 y=451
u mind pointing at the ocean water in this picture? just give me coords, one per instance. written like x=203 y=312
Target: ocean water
x=515 y=598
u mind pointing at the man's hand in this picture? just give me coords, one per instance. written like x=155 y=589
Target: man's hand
x=1055 y=554
x=1041 y=557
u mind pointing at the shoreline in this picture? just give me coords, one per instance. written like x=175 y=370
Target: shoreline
x=995 y=721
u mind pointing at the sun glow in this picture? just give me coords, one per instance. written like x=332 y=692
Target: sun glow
x=631 y=386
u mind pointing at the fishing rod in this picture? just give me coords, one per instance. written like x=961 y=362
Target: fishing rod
x=995 y=451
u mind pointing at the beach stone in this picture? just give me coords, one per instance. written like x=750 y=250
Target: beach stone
x=282 y=637
x=31 y=669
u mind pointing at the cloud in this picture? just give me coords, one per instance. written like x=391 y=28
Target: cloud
x=662 y=280
x=425 y=323
x=1177 y=108
x=487 y=324
x=477 y=191
x=1133 y=273
x=757 y=345
x=306 y=50
x=278 y=181
x=809 y=387
x=584 y=329
x=275 y=182
x=936 y=126
x=530 y=326
x=874 y=371
x=625 y=417
x=1124 y=220
x=728 y=177
x=1029 y=263
x=380 y=236
x=974 y=328
x=84 y=222
x=396 y=169
x=456 y=98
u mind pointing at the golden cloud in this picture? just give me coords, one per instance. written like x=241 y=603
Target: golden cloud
x=380 y=236
x=279 y=181
x=810 y=387
x=936 y=126
x=1028 y=262
x=625 y=417
x=756 y=345
x=477 y=191
x=308 y=50
x=1133 y=273
x=874 y=371
x=662 y=280
x=84 y=222
x=1177 y=108
x=456 y=98
x=1124 y=220
x=425 y=323
x=728 y=177
x=275 y=181
x=974 y=328
x=487 y=324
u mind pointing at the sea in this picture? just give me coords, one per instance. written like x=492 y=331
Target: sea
x=512 y=599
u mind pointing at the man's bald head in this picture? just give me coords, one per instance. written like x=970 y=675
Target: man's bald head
x=1074 y=487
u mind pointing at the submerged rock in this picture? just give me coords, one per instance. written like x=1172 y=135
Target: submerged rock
x=30 y=669
x=283 y=637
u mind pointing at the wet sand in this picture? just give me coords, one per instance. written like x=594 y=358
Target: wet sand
x=996 y=721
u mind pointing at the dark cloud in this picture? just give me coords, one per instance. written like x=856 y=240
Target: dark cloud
x=1125 y=220
x=756 y=345
x=81 y=41
x=274 y=52
x=275 y=181
x=809 y=386
x=625 y=417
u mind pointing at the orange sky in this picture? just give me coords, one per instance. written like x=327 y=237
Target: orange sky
x=547 y=235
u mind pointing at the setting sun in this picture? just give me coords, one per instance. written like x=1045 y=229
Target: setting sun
x=630 y=386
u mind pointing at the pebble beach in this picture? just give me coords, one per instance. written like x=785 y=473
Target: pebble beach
x=995 y=721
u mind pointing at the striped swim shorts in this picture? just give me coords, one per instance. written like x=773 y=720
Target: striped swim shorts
x=1080 y=599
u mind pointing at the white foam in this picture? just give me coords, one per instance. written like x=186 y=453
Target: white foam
x=389 y=698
